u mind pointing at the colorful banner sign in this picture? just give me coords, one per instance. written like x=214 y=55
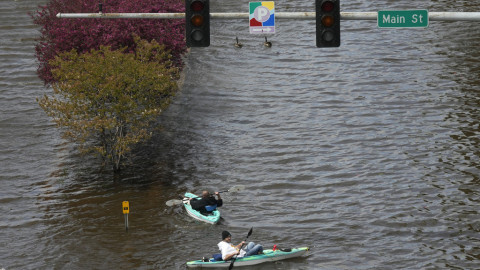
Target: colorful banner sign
x=262 y=17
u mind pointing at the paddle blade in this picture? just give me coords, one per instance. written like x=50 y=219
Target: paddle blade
x=174 y=202
x=237 y=188
x=250 y=232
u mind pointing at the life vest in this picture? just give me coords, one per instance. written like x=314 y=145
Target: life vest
x=210 y=208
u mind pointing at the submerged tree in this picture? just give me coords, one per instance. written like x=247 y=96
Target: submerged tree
x=106 y=100
x=83 y=35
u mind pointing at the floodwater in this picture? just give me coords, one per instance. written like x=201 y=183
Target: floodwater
x=367 y=153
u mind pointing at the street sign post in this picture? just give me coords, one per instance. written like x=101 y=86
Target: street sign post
x=402 y=18
x=262 y=17
x=126 y=210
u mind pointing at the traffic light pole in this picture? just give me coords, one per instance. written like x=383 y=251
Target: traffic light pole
x=432 y=16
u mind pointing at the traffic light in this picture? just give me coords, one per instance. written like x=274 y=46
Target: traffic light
x=327 y=15
x=197 y=23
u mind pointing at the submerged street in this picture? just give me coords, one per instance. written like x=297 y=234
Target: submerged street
x=367 y=153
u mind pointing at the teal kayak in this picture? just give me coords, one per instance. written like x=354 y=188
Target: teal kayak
x=211 y=218
x=267 y=256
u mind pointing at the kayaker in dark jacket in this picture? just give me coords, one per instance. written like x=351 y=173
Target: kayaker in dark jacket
x=207 y=203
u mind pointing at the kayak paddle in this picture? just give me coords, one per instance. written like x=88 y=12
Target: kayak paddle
x=234 y=189
x=233 y=261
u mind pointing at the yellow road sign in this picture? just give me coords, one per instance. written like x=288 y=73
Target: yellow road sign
x=125 y=206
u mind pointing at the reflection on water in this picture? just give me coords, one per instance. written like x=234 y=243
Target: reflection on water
x=368 y=153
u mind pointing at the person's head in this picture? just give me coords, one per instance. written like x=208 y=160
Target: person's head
x=205 y=194
x=226 y=236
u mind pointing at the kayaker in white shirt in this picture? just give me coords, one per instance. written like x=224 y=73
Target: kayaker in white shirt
x=228 y=250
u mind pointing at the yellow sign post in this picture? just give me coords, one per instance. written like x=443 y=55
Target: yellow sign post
x=126 y=210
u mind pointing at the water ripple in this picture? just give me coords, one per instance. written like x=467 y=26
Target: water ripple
x=367 y=153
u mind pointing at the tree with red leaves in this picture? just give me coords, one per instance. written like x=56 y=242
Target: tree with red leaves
x=63 y=35
x=107 y=100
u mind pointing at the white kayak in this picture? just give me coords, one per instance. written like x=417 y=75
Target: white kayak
x=267 y=256
x=211 y=218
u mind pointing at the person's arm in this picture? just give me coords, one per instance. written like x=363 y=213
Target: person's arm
x=240 y=245
x=230 y=256
x=219 y=201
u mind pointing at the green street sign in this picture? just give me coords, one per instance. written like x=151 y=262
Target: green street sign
x=402 y=18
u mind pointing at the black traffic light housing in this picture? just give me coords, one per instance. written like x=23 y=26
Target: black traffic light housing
x=327 y=15
x=197 y=23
